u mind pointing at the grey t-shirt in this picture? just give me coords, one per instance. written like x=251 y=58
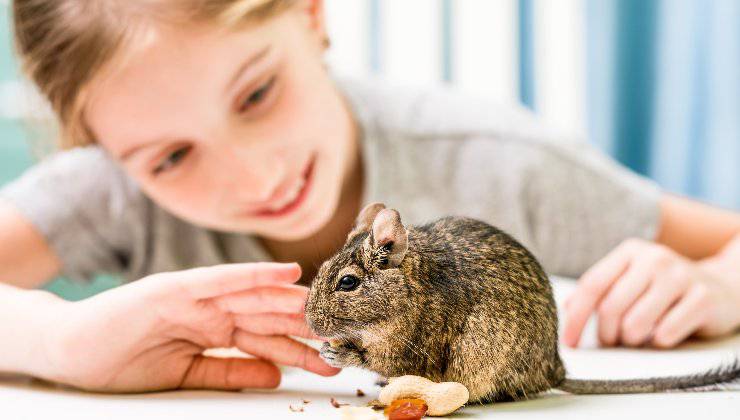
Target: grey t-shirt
x=428 y=153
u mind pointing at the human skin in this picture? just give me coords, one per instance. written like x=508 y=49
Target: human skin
x=659 y=293
x=151 y=334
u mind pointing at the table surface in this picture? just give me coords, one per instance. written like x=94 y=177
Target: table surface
x=23 y=398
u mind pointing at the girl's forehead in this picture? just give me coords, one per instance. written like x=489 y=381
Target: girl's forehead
x=166 y=69
x=175 y=50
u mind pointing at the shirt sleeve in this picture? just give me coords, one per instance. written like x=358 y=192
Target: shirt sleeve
x=580 y=204
x=90 y=213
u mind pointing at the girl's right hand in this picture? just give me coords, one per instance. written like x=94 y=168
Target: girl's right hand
x=150 y=334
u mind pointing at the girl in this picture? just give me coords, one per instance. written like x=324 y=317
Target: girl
x=209 y=133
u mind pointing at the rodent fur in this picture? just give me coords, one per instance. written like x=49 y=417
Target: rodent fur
x=453 y=300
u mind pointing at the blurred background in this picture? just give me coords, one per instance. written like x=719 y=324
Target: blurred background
x=653 y=83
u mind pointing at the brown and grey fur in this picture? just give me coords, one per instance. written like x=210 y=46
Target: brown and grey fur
x=452 y=300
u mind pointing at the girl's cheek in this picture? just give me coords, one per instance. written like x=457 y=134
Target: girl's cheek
x=290 y=123
x=181 y=194
x=285 y=106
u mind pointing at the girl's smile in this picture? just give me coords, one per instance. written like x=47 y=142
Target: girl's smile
x=288 y=197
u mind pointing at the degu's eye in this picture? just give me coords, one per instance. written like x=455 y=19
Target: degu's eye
x=348 y=282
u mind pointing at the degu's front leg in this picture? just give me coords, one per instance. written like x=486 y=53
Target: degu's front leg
x=342 y=354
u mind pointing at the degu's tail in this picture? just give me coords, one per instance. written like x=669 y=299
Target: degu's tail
x=712 y=380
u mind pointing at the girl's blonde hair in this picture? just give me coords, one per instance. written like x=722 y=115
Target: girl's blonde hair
x=63 y=44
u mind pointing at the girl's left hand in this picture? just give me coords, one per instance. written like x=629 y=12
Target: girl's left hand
x=645 y=293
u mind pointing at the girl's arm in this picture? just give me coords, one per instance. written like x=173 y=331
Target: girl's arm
x=694 y=229
x=26 y=260
x=151 y=334
x=25 y=318
x=659 y=293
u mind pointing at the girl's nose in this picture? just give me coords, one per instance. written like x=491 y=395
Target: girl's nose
x=253 y=174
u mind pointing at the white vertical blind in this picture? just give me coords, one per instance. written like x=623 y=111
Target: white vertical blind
x=559 y=62
x=484 y=47
x=485 y=53
x=410 y=41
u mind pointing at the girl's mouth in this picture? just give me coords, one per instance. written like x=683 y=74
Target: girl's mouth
x=292 y=199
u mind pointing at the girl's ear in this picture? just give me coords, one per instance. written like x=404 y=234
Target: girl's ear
x=390 y=238
x=315 y=10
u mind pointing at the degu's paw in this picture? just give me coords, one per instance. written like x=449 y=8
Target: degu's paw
x=341 y=355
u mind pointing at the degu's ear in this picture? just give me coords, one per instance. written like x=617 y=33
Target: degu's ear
x=364 y=220
x=389 y=238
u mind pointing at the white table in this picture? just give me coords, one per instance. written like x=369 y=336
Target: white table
x=21 y=398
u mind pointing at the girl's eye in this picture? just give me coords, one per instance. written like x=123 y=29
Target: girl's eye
x=172 y=160
x=257 y=96
x=348 y=282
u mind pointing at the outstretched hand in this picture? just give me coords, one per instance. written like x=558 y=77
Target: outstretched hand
x=150 y=334
x=647 y=294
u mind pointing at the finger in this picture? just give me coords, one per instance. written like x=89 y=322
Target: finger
x=218 y=280
x=623 y=293
x=640 y=320
x=284 y=299
x=683 y=319
x=283 y=350
x=230 y=374
x=591 y=287
x=275 y=324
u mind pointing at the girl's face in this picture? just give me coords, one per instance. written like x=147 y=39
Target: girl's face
x=240 y=131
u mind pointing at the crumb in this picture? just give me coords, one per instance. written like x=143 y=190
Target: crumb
x=360 y=393
x=336 y=403
x=295 y=409
x=376 y=405
x=306 y=401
